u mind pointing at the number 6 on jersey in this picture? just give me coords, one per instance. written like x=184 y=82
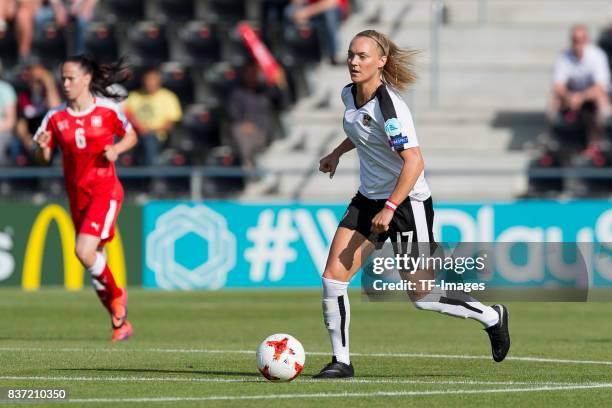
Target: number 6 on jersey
x=79 y=137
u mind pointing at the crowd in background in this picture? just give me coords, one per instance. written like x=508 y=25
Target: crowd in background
x=250 y=107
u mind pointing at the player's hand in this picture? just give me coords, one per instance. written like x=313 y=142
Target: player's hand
x=329 y=163
x=110 y=153
x=43 y=139
x=381 y=221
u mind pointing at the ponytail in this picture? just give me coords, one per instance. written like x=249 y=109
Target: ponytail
x=399 y=68
x=103 y=75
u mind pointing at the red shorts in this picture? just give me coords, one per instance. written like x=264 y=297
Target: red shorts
x=98 y=217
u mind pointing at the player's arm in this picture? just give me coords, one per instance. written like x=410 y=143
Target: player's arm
x=411 y=170
x=329 y=163
x=128 y=141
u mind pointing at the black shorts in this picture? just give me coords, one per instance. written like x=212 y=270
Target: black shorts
x=412 y=221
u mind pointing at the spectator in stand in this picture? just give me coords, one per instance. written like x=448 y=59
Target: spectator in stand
x=8 y=115
x=326 y=14
x=153 y=111
x=32 y=105
x=251 y=109
x=581 y=78
x=34 y=15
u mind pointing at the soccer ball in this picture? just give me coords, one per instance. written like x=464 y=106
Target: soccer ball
x=280 y=357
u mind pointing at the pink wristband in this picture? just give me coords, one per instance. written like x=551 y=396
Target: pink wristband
x=391 y=205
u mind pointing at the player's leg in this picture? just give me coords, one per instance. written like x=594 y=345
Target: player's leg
x=417 y=217
x=98 y=226
x=348 y=250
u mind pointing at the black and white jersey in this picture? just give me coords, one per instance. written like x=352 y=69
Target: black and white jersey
x=379 y=129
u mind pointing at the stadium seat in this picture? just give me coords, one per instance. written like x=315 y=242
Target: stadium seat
x=544 y=186
x=230 y=11
x=201 y=43
x=303 y=44
x=8 y=47
x=135 y=80
x=125 y=11
x=235 y=50
x=202 y=122
x=221 y=78
x=592 y=159
x=100 y=41
x=176 y=10
x=177 y=78
x=50 y=47
x=149 y=43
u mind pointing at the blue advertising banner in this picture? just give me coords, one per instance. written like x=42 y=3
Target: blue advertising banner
x=222 y=244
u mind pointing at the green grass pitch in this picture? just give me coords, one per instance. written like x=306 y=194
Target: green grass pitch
x=198 y=349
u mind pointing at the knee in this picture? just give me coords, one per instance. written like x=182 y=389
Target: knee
x=85 y=255
x=332 y=274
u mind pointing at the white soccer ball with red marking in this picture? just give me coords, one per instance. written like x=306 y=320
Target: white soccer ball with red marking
x=280 y=357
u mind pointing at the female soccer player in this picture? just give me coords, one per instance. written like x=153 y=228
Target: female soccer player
x=85 y=128
x=393 y=200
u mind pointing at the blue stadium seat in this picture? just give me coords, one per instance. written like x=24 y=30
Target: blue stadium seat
x=177 y=78
x=125 y=10
x=50 y=47
x=149 y=43
x=100 y=40
x=201 y=43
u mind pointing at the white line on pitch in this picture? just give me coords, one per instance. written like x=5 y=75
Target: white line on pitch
x=314 y=353
x=339 y=395
x=304 y=379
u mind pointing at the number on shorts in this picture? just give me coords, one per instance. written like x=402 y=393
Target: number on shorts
x=79 y=137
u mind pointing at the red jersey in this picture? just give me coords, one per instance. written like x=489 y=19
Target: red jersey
x=82 y=137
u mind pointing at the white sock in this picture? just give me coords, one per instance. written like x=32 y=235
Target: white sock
x=98 y=266
x=459 y=305
x=337 y=316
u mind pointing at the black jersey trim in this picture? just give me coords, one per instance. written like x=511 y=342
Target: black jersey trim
x=354 y=93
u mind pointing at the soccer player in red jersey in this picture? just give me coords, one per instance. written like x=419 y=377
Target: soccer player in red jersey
x=84 y=127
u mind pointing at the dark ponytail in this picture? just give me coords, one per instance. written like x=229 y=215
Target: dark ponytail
x=103 y=75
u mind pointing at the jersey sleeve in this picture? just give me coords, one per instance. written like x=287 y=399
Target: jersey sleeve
x=47 y=125
x=120 y=124
x=398 y=124
x=346 y=94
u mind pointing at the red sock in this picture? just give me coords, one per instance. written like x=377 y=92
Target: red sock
x=108 y=289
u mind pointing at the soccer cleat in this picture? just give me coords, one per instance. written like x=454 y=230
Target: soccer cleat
x=118 y=309
x=336 y=369
x=499 y=334
x=122 y=333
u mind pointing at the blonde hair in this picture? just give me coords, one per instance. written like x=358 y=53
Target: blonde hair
x=399 y=68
